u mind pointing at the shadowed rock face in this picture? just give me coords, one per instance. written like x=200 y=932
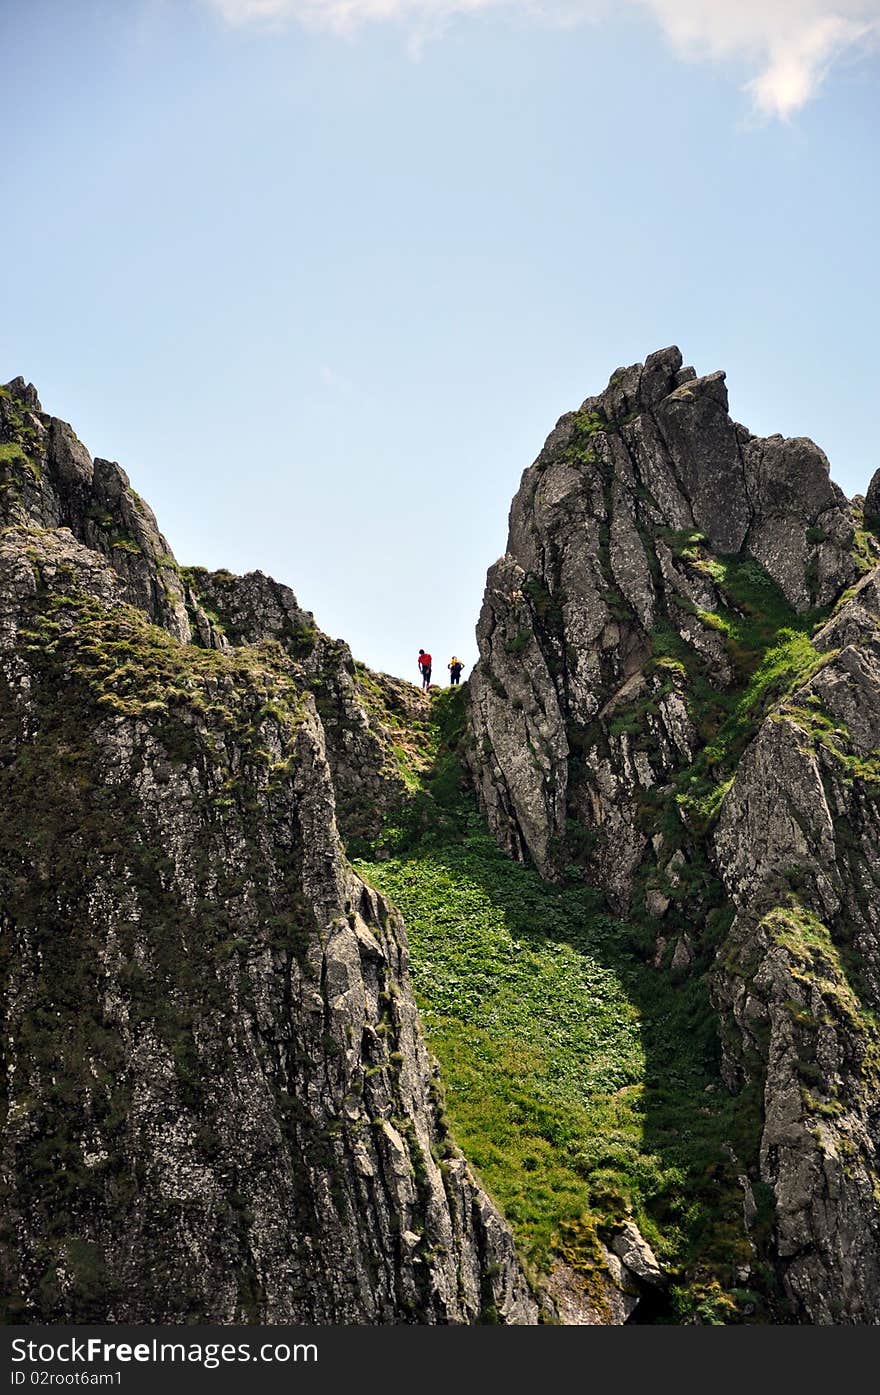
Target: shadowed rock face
x=220 y=1106
x=679 y=692
x=798 y=981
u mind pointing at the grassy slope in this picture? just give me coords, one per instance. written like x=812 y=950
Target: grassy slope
x=582 y=1084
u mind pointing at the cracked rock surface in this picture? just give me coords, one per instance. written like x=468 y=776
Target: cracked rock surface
x=220 y=1107
x=678 y=699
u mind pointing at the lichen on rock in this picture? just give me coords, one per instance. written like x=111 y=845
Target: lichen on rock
x=220 y=1105
x=678 y=699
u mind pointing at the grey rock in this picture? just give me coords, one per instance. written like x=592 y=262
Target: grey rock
x=703 y=448
x=221 y=1107
x=856 y=622
x=633 y=1250
x=594 y=566
x=25 y=393
x=608 y=1298
x=606 y=611
x=360 y=711
x=54 y=483
x=522 y=733
x=798 y=980
x=802 y=525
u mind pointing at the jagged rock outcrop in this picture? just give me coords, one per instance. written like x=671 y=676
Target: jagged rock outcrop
x=614 y=594
x=219 y=1104
x=798 y=979
x=360 y=712
x=678 y=698
x=50 y=480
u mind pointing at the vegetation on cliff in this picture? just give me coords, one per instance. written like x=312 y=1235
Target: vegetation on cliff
x=583 y=1085
x=648 y=967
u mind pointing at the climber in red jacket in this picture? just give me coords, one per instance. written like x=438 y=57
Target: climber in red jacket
x=425 y=668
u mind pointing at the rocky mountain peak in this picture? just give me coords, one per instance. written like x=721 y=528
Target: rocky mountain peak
x=25 y=393
x=665 y=435
x=216 y=1052
x=641 y=386
x=677 y=700
x=49 y=480
x=642 y=511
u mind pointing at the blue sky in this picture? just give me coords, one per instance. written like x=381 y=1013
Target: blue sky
x=322 y=274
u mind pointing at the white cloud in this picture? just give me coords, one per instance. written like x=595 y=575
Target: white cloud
x=789 y=44
x=347 y=15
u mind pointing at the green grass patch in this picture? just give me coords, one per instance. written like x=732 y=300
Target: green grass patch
x=789 y=662
x=866 y=551
x=582 y=1085
x=755 y=609
x=11 y=451
x=770 y=651
x=685 y=543
x=833 y=737
x=115 y=658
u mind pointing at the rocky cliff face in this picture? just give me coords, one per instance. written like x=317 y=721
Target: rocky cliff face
x=219 y=1104
x=361 y=713
x=797 y=981
x=633 y=538
x=678 y=699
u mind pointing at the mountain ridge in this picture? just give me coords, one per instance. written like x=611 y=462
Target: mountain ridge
x=220 y=1105
x=676 y=704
